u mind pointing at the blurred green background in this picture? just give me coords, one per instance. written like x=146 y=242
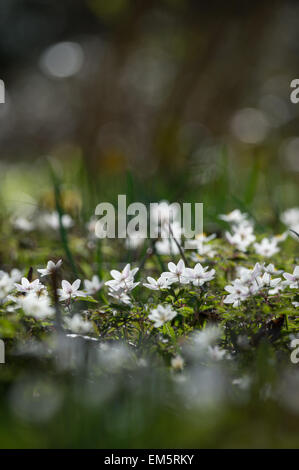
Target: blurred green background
x=174 y=99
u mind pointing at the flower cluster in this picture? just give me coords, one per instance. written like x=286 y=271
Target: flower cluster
x=258 y=280
x=33 y=297
x=122 y=284
x=188 y=321
x=242 y=235
x=36 y=306
x=178 y=273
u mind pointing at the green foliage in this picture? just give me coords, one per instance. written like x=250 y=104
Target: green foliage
x=122 y=384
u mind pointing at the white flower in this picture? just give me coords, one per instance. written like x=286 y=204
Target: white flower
x=93 y=286
x=176 y=273
x=243 y=273
x=36 y=306
x=237 y=293
x=247 y=276
x=26 y=286
x=206 y=337
x=161 y=283
x=7 y=282
x=250 y=282
x=164 y=213
x=235 y=217
x=201 y=244
x=120 y=294
x=292 y=279
x=271 y=269
x=167 y=246
x=122 y=278
x=291 y=218
x=6 y=285
x=206 y=250
x=50 y=269
x=177 y=363
x=122 y=283
x=70 y=291
x=296 y=304
x=216 y=353
x=161 y=315
x=78 y=325
x=15 y=275
x=268 y=247
x=242 y=236
x=266 y=281
x=278 y=288
x=202 y=237
x=23 y=224
x=91 y=225
x=52 y=220
x=237 y=241
x=199 y=275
